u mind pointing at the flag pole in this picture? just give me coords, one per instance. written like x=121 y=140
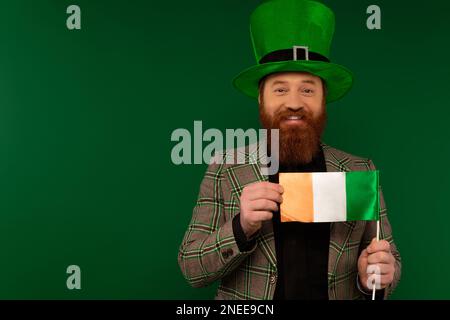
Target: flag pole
x=378 y=239
x=378 y=230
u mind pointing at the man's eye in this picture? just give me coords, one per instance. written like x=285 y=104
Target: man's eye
x=308 y=91
x=280 y=90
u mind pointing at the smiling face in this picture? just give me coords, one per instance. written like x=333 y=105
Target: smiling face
x=294 y=102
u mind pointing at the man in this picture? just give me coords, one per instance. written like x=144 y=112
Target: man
x=235 y=234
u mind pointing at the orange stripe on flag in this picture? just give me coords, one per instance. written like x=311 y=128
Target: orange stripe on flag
x=298 y=203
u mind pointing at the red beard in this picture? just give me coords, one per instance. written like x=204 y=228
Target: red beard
x=298 y=143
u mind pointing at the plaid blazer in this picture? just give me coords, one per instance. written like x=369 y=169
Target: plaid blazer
x=209 y=251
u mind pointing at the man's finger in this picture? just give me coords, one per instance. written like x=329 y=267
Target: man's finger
x=263 y=205
x=265 y=185
x=379 y=257
x=265 y=194
x=386 y=280
x=262 y=215
x=382 y=269
x=376 y=246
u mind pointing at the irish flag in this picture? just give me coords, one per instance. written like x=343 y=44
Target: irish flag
x=329 y=196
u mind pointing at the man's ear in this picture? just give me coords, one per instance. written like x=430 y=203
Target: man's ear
x=259 y=97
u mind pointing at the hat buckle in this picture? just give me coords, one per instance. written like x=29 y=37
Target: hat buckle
x=305 y=51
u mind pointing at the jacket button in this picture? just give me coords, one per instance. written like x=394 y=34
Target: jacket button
x=230 y=252
x=225 y=254
x=273 y=279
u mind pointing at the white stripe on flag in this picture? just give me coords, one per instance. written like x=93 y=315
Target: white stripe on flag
x=330 y=202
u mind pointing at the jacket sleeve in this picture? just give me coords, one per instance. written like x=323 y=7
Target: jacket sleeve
x=386 y=234
x=209 y=250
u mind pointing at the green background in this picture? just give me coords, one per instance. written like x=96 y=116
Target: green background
x=86 y=118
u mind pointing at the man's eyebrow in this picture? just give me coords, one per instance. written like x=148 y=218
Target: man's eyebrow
x=278 y=82
x=284 y=82
x=309 y=81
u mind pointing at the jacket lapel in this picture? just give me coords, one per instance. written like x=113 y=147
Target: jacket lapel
x=340 y=231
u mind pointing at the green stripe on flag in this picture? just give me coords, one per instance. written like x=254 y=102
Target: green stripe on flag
x=362 y=195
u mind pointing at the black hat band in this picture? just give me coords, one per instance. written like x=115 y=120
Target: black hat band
x=296 y=53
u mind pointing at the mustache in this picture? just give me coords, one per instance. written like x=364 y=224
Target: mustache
x=285 y=114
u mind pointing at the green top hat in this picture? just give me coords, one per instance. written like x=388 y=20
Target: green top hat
x=293 y=35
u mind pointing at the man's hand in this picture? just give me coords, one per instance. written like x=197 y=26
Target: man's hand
x=378 y=253
x=258 y=201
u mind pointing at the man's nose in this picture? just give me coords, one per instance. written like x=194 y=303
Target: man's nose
x=294 y=107
x=295 y=103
